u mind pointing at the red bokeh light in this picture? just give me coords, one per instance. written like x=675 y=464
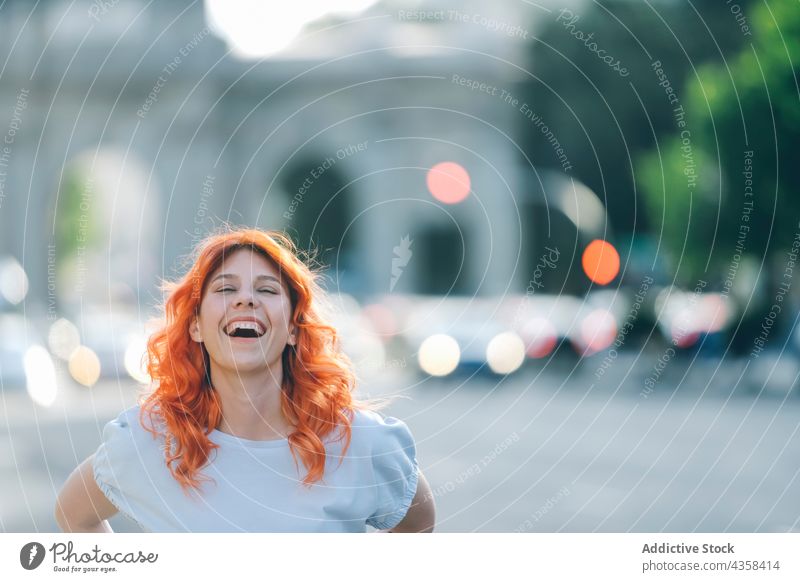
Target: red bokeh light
x=601 y=262
x=449 y=182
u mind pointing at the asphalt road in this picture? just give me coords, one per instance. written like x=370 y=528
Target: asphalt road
x=545 y=450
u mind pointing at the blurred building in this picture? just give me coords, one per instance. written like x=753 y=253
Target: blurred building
x=139 y=131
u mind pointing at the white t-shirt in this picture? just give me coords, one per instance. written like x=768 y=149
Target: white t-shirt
x=256 y=485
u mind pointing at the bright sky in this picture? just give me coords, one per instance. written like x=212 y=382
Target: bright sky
x=260 y=28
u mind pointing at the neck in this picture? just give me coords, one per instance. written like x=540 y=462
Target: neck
x=251 y=403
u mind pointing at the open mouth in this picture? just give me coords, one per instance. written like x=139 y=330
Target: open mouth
x=245 y=329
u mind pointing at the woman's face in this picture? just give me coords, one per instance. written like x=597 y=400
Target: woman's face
x=245 y=314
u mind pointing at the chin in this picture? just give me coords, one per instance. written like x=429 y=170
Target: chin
x=249 y=364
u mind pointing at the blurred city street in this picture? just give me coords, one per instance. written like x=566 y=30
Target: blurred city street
x=560 y=237
x=544 y=450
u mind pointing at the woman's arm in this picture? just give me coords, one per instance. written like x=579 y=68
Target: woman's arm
x=421 y=515
x=81 y=505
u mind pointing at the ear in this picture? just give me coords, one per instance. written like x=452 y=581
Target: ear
x=292 y=341
x=194 y=331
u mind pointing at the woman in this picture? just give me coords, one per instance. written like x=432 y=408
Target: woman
x=251 y=425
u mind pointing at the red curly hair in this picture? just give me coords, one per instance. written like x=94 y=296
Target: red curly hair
x=318 y=379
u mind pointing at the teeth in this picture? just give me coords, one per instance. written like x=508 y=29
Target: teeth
x=245 y=325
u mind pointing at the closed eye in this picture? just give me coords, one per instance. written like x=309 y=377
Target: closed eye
x=225 y=289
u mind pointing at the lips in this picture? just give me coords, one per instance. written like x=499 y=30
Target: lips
x=245 y=327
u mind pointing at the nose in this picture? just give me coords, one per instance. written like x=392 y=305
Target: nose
x=246 y=298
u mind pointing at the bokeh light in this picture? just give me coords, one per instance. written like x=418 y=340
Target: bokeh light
x=715 y=312
x=505 y=353
x=600 y=262
x=598 y=330
x=540 y=337
x=439 y=355
x=13 y=281
x=449 y=182
x=40 y=374
x=63 y=338
x=84 y=366
x=256 y=29
x=135 y=362
x=382 y=318
x=685 y=327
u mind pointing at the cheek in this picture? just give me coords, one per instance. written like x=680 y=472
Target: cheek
x=280 y=310
x=210 y=312
x=286 y=315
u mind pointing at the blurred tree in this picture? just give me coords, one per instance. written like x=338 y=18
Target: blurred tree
x=737 y=225
x=603 y=117
x=75 y=228
x=744 y=118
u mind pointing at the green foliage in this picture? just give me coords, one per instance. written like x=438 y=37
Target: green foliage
x=752 y=104
x=680 y=213
x=74 y=223
x=605 y=120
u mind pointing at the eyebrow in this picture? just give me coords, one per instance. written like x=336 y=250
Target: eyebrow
x=231 y=276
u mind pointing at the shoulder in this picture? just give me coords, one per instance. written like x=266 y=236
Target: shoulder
x=127 y=433
x=135 y=421
x=129 y=467
x=382 y=436
x=369 y=419
x=394 y=472
x=129 y=416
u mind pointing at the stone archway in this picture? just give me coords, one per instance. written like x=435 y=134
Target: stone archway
x=320 y=208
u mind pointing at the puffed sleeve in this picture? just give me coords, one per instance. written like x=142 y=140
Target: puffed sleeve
x=395 y=470
x=117 y=464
